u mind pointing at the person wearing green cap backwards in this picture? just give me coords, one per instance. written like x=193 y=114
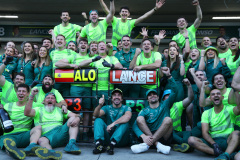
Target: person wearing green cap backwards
x=219 y=138
x=154 y=125
x=22 y=134
x=54 y=132
x=114 y=131
x=211 y=64
x=124 y=26
x=96 y=30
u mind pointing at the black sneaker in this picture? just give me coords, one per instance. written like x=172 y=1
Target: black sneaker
x=110 y=149
x=99 y=148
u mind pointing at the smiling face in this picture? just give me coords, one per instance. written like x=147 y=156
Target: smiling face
x=181 y=23
x=152 y=98
x=22 y=94
x=18 y=80
x=222 y=43
x=65 y=17
x=47 y=43
x=94 y=48
x=117 y=98
x=216 y=97
x=50 y=100
x=233 y=43
x=28 y=48
x=9 y=51
x=126 y=43
x=124 y=13
x=83 y=46
x=211 y=53
x=172 y=53
x=47 y=82
x=147 y=46
x=206 y=42
x=219 y=82
x=10 y=44
x=102 y=48
x=60 y=42
x=42 y=52
x=94 y=17
x=194 y=54
x=200 y=75
x=119 y=45
x=72 y=46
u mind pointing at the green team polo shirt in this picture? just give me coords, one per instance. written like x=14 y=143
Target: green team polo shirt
x=9 y=69
x=97 y=33
x=28 y=70
x=233 y=66
x=121 y=28
x=8 y=93
x=20 y=122
x=39 y=97
x=112 y=114
x=221 y=124
x=226 y=54
x=69 y=31
x=176 y=113
x=103 y=72
x=48 y=120
x=142 y=60
x=40 y=72
x=57 y=55
x=76 y=60
x=125 y=58
x=179 y=38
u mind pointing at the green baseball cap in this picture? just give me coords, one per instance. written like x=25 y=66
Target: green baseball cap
x=151 y=90
x=213 y=48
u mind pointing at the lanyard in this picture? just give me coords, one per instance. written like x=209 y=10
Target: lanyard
x=40 y=70
x=129 y=57
x=23 y=64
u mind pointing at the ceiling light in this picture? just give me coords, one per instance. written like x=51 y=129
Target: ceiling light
x=8 y=16
x=117 y=18
x=225 y=17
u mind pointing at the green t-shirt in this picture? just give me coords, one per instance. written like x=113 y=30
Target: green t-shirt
x=176 y=114
x=103 y=72
x=120 y=29
x=179 y=38
x=39 y=97
x=221 y=124
x=69 y=31
x=28 y=70
x=142 y=60
x=76 y=60
x=20 y=122
x=125 y=58
x=8 y=93
x=226 y=54
x=9 y=69
x=57 y=55
x=48 y=120
x=40 y=72
x=233 y=66
x=112 y=114
x=97 y=33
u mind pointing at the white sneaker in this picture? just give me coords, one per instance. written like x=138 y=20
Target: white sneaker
x=139 y=148
x=163 y=149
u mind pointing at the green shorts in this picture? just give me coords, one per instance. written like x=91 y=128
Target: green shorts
x=58 y=136
x=77 y=91
x=221 y=141
x=22 y=139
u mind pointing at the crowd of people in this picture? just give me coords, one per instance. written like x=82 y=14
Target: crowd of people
x=198 y=86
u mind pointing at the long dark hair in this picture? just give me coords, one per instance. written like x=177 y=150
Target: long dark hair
x=177 y=63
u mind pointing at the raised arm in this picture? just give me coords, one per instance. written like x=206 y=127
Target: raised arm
x=236 y=80
x=182 y=66
x=158 y=38
x=202 y=101
x=187 y=46
x=85 y=18
x=149 y=13
x=104 y=7
x=133 y=62
x=28 y=111
x=97 y=111
x=110 y=15
x=190 y=97
x=199 y=15
x=202 y=62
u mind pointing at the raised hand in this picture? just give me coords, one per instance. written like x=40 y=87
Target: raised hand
x=144 y=32
x=101 y=100
x=159 y=4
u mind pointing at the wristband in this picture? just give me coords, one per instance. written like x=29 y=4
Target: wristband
x=112 y=66
x=186 y=37
x=154 y=9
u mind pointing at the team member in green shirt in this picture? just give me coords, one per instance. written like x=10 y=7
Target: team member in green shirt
x=25 y=63
x=103 y=65
x=223 y=48
x=191 y=31
x=61 y=53
x=96 y=30
x=154 y=125
x=147 y=59
x=218 y=128
x=114 y=131
x=11 y=66
x=54 y=132
x=93 y=48
x=124 y=26
x=206 y=42
x=22 y=134
x=43 y=65
x=67 y=29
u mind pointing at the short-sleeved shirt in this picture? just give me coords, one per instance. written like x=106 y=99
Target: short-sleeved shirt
x=103 y=72
x=9 y=69
x=121 y=28
x=49 y=120
x=142 y=60
x=69 y=31
x=27 y=69
x=179 y=38
x=8 y=93
x=20 y=122
x=97 y=33
x=40 y=72
x=112 y=114
x=39 y=97
x=233 y=66
x=226 y=54
x=176 y=114
x=125 y=58
x=221 y=124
